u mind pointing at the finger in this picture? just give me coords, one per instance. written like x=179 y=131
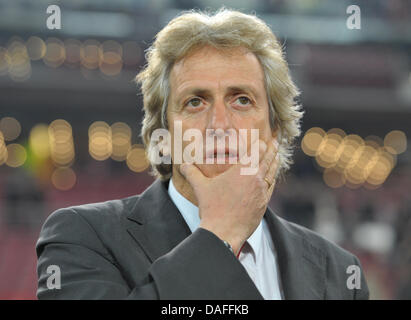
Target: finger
x=271 y=174
x=263 y=148
x=268 y=157
x=270 y=190
x=192 y=174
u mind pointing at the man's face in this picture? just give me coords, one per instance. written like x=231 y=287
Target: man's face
x=212 y=89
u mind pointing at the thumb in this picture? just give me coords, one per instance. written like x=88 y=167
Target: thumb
x=192 y=174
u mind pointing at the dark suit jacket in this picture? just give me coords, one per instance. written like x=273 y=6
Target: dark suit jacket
x=141 y=248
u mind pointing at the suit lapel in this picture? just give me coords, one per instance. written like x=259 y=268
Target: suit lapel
x=156 y=224
x=302 y=265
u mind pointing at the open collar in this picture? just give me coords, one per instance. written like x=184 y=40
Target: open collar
x=157 y=226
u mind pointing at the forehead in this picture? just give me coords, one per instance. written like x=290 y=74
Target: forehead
x=208 y=66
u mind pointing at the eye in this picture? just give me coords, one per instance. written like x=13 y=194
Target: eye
x=243 y=101
x=195 y=102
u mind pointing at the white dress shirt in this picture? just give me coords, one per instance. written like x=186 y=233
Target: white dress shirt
x=257 y=255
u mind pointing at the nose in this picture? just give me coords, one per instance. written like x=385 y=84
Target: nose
x=220 y=116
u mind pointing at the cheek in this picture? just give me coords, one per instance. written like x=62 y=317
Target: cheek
x=260 y=122
x=265 y=130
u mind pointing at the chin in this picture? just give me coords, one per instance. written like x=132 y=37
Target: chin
x=212 y=170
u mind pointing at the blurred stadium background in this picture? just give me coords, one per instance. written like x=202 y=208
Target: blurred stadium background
x=70 y=119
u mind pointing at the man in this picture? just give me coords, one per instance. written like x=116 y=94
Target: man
x=203 y=229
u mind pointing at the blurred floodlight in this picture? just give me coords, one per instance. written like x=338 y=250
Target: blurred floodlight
x=349 y=160
x=100 y=140
x=16 y=155
x=312 y=140
x=333 y=178
x=337 y=131
x=19 y=61
x=61 y=142
x=99 y=24
x=374 y=141
x=90 y=54
x=348 y=148
x=395 y=142
x=136 y=159
x=63 y=178
x=382 y=167
x=73 y=49
x=36 y=48
x=3 y=149
x=111 y=46
x=39 y=141
x=329 y=150
x=55 y=52
x=10 y=127
x=121 y=137
x=376 y=237
x=111 y=63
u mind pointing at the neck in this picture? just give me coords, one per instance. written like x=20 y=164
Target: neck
x=183 y=187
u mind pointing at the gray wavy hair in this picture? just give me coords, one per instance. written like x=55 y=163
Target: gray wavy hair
x=224 y=29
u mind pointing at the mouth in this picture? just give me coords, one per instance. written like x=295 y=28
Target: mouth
x=224 y=155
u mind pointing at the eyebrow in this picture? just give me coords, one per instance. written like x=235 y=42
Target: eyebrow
x=243 y=88
x=206 y=92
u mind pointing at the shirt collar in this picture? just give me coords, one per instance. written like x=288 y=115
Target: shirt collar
x=256 y=239
x=188 y=210
x=191 y=215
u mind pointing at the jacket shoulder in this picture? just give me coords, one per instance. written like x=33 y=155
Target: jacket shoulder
x=99 y=212
x=319 y=243
x=340 y=266
x=86 y=223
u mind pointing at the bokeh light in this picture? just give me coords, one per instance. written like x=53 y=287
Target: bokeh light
x=121 y=138
x=55 y=53
x=61 y=143
x=90 y=54
x=73 y=51
x=111 y=46
x=3 y=149
x=333 y=178
x=351 y=160
x=136 y=158
x=395 y=142
x=329 y=150
x=10 y=127
x=39 y=141
x=63 y=178
x=19 y=66
x=312 y=140
x=36 y=48
x=348 y=147
x=381 y=168
x=16 y=155
x=110 y=63
x=100 y=140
